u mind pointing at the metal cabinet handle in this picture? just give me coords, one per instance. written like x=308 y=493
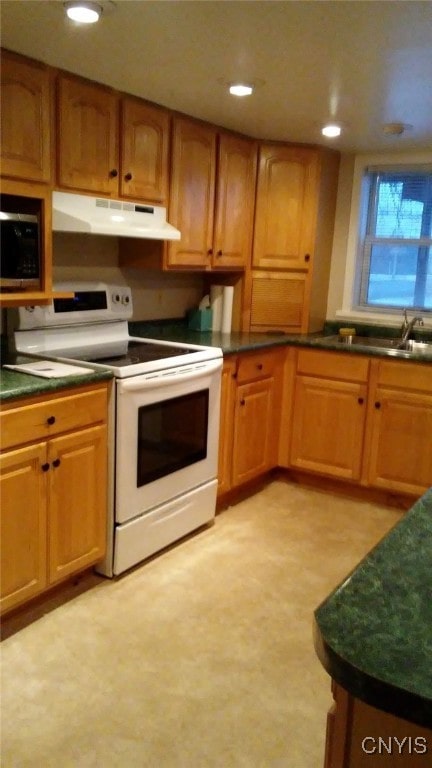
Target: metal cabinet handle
x=242 y=402
x=45 y=467
x=51 y=420
x=56 y=463
x=219 y=253
x=377 y=405
x=360 y=401
x=113 y=173
x=260 y=366
x=128 y=177
x=210 y=252
x=307 y=257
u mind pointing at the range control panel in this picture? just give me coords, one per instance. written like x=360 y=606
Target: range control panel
x=88 y=302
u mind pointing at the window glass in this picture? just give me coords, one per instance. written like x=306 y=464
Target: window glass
x=395 y=252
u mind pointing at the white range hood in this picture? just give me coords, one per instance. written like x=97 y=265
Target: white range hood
x=118 y=218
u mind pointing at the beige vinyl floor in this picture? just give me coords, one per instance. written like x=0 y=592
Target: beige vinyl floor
x=201 y=657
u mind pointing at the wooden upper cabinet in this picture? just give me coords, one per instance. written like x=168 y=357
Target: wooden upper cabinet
x=144 y=132
x=235 y=200
x=286 y=207
x=192 y=193
x=87 y=137
x=25 y=119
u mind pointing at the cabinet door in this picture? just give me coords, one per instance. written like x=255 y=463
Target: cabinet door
x=77 y=506
x=144 y=151
x=235 y=200
x=328 y=426
x=278 y=302
x=401 y=441
x=192 y=194
x=87 y=137
x=226 y=425
x=23 y=534
x=253 y=423
x=286 y=207
x=25 y=119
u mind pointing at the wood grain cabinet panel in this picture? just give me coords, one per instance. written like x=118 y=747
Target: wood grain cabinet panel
x=228 y=389
x=286 y=207
x=212 y=197
x=144 y=137
x=398 y=444
x=25 y=119
x=87 y=137
x=23 y=516
x=53 y=491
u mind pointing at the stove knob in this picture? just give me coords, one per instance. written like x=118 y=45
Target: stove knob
x=116 y=298
x=125 y=299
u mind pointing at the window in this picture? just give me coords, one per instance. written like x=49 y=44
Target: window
x=394 y=259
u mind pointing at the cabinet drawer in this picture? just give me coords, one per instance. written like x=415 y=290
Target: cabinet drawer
x=332 y=365
x=39 y=420
x=405 y=375
x=256 y=366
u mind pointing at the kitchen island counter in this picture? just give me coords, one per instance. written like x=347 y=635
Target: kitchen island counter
x=373 y=634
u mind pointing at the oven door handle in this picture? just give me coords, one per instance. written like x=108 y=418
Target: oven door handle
x=165 y=378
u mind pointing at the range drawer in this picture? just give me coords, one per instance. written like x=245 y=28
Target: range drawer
x=333 y=365
x=257 y=365
x=42 y=419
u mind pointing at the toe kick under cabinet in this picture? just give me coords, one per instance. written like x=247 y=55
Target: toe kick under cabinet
x=53 y=489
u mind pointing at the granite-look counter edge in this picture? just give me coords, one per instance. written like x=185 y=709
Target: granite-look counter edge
x=14 y=385
x=373 y=634
x=235 y=342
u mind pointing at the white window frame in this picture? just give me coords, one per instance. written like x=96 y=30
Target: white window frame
x=350 y=310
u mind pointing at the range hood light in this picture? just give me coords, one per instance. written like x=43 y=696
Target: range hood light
x=83 y=12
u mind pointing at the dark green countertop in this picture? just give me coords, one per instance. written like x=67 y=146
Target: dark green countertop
x=243 y=342
x=373 y=634
x=14 y=384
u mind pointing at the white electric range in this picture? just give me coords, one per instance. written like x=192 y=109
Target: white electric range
x=163 y=418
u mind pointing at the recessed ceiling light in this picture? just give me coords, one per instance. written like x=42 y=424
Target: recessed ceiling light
x=240 y=89
x=83 y=12
x=331 y=130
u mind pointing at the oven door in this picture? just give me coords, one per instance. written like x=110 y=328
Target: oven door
x=167 y=434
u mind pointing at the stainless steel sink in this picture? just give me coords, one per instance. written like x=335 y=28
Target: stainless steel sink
x=372 y=342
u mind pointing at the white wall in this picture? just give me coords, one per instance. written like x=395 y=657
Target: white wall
x=156 y=295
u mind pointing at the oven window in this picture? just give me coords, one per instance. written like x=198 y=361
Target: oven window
x=172 y=434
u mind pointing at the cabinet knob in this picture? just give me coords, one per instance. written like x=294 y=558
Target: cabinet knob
x=307 y=257
x=377 y=405
x=45 y=467
x=56 y=463
x=210 y=252
x=219 y=253
x=360 y=400
x=234 y=375
x=51 y=420
x=242 y=402
x=260 y=366
x=128 y=177
x=113 y=173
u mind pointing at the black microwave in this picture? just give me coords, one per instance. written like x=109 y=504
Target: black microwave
x=20 y=251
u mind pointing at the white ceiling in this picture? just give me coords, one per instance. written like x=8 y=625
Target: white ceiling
x=362 y=63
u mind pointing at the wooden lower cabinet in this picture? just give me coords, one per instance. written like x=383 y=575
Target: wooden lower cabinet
x=329 y=414
x=399 y=445
x=23 y=533
x=361 y=736
x=250 y=417
x=226 y=429
x=53 y=491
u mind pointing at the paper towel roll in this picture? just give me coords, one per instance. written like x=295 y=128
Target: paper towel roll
x=216 y=301
x=227 y=305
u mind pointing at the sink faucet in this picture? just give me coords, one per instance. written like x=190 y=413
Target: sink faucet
x=407 y=326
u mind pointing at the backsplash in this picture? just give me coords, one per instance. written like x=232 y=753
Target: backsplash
x=155 y=294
